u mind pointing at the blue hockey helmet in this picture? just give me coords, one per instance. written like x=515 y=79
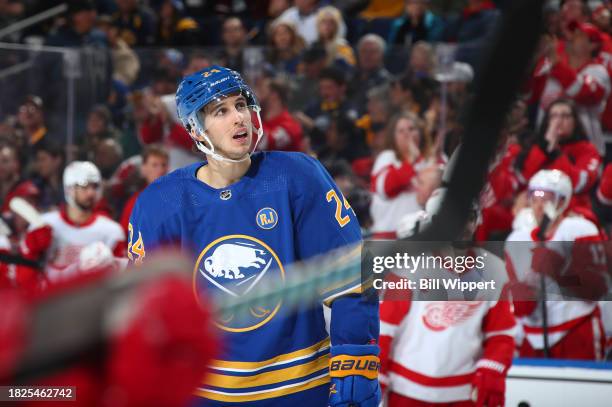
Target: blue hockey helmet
x=203 y=87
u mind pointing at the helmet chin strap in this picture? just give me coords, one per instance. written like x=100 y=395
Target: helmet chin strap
x=211 y=151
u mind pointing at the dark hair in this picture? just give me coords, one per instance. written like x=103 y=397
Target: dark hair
x=281 y=88
x=579 y=132
x=50 y=147
x=155 y=149
x=333 y=74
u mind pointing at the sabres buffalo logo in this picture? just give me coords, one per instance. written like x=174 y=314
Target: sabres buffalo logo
x=234 y=265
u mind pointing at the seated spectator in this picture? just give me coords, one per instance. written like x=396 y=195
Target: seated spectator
x=343 y=140
x=417 y=24
x=313 y=63
x=48 y=168
x=330 y=36
x=136 y=23
x=174 y=28
x=370 y=71
x=378 y=112
x=303 y=15
x=572 y=69
x=411 y=95
x=562 y=144
x=281 y=130
x=31 y=119
x=107 y=155
x=394 y=174
x=331 y=101
x=79 y=28
x=99 y=127
x=422 y=62
x=285 y=46
x=234 y=38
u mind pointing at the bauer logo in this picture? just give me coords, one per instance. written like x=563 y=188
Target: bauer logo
x=266 y=218
x=235 y=265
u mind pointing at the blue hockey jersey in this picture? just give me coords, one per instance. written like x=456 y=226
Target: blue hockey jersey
x=286 y=208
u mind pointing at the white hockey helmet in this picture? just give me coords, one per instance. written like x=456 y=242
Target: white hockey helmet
x=555 y=182
x=80 y=173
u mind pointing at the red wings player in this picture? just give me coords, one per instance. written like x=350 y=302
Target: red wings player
x=68 y=230
x=447 y=353
x=571 y=260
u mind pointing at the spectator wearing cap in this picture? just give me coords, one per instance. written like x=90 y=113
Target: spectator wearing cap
x=47 y=175
x=573 y=69
x=282 y=131
x=370 y=71
x=174 y=28
x=470 y=29
x=285 y=46
x=136 y=23
x=303 y=15
x=417 y=24
x=31 y=119
x=331 y=37
x=331 y=102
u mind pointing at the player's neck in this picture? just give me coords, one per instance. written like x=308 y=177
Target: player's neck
x=77 y=215
x=220 y=174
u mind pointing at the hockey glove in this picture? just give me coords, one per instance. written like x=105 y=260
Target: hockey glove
x=37 y=242
x=354 y=376
x=547 y=261
x=488 y=388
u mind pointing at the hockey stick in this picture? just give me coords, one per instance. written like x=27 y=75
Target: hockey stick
x=24 y=209
x=500 y=75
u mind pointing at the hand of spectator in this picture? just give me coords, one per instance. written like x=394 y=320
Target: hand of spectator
x=552 y=136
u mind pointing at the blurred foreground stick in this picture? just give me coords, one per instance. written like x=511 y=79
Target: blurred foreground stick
x=502 y=70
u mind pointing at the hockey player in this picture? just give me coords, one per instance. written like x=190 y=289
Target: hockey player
x=420 y=363
x=67 y=231
x=245 y=216
x=571 y=261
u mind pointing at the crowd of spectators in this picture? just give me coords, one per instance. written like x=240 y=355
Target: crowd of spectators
x=374 y=90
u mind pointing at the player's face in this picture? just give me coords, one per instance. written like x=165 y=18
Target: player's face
x=228 y=125
x=86 y=196
x=561 y=117
x=154 y=167
x=538 y=199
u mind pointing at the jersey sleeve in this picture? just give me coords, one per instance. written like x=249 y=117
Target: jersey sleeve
x=146 y=231
x=325 y=221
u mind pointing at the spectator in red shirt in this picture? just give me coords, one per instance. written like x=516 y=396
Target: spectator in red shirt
x=154 y=165
x=562 y=144
x=281 y=130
